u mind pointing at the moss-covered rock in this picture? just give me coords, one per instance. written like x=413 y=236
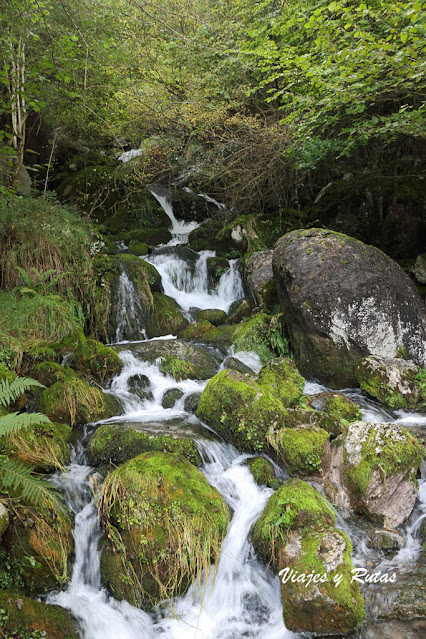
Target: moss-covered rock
x=337 y=405
x=4 y=519
x=72 y=400
x=95 y=360
x=166 y=523
x=301 y=449
x=216 y=267
x=296 y=533
x=171 y=396
x=214 y=316
x=138 y=248
x=42 y=446
x=48 y=373
x=397 y=383
x=178 y=358
x=263 y=472
x=239 y=409
x=42 y=542
x=239 y=311
x=283 y=380
x=380 y=466
x=169 y=316
x=23 y=615
x=153 y=237
x=116 y=443
x=195 y=329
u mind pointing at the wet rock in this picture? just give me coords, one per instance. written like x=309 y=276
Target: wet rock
x=191 y=402
x=396 y=630
x=214 y=316
x=238 y=311
x=216 y=267
x=95 y=360
x=195 y=329
x=234 y=364
x=419 y=269
x=28 y=617
x=296 y=532
x=138 y=248
x=139 y=385
x=159 y=498
x=153 y=237
x=380 y=465
x=260 y=280
x=344 y=300
x=117 y=443
x=301 y=448
x=190 y=206
x=337 y=405
x=406 y=598
x=171 y=396
x=394 y=382
x=169 y=316
x=263 y=472
x=200 y=362
x=389 y=541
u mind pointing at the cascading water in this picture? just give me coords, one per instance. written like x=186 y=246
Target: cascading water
x=179 y=230
x=129 y=311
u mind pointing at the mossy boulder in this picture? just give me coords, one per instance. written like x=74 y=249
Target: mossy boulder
x=73 y=401
x=260 y=281
x=138 y=248
x=337 y=405
x=380 y=466
x=195 y=330
x=116 y=443
x=178 y=358
x=24 y=616
x=239 y=409
x=296 y=534
x=239 y=311
x=214 y=316
x=42 y=446
x=397 y=383
x=48 y=373
x=95 y=360
x=263 y=472
x=169 y=316
x=344 y=300
x=301 y=449
x=205 y=236
x=283 y=380
x=171 y=396
x=216 y=267
x=153 y=237
x=41 y=542
x=166 y=522
x=4 y=519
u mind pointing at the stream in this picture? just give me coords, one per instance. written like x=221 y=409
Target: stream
x=240 y=599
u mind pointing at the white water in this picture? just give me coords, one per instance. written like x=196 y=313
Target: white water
x=129 y=309
x=192 y=290
x=180 y=230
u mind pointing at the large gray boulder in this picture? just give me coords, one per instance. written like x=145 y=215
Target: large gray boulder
x=344 y=300
x=260 y=279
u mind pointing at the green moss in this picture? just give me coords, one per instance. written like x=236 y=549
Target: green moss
x=239 y=410
x=390 y=449
x=22 y=614
x=177 y=368
x=48 y=373
x=342 y=407
x=116 y=444
x=252 y=334
x=263 y=472
x=195 y=329
x=169 y=316
x=138 y=248
x=166 y=522
x=282 y=379
x=408 y=392
x=43 y=446
x=302 y=449
x=153 y=237
x=214 y=316
x=73 y=401
x=96 y=360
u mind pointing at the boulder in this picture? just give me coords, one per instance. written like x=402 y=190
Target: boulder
x=191 y=402
x=171 y=396
x=140 y=385
x=297 y=534
x=152 y=237
x=195 y=330
x=344 y=300
x=238 y=311
x=406 y=598
x=216 y=267
x=260 y=280
x=117 y=443
x=190 y=206
x=380 y=462
x=337 y=405
x=166 y=524
x=397 y=383
x=263 y=472
x=301 y=448
x=25 y=617
x=95 y=360
x=419 y=269
x=214 y=316
x=138 y=248
x=169 y=316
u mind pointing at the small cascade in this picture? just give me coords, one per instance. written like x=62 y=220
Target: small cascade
x=129 y=311
x=191 y=290
x=179 y=230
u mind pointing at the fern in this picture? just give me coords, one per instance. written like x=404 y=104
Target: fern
x=13 y=422
x=17 y=479
x=11 y=391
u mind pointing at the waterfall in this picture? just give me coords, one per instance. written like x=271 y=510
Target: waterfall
x=129 y=311
x=179 y=230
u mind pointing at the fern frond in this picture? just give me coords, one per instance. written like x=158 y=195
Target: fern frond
x=13 y=422
x=18 y=480
x=11 y=391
